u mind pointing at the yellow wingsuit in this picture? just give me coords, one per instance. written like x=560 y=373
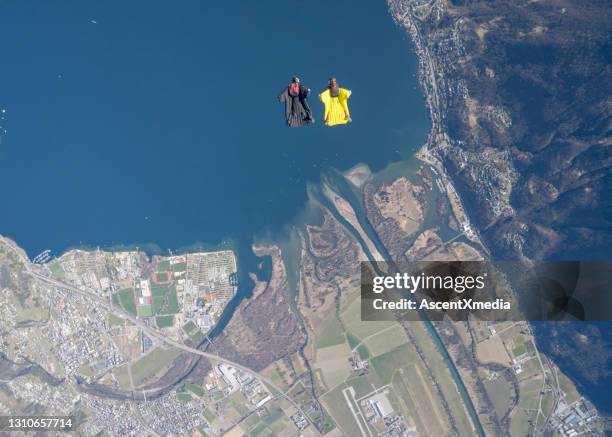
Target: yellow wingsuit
x=336 y=108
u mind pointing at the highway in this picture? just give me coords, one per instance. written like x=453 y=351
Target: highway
x=90 y=293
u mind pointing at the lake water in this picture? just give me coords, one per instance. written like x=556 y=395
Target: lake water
x=135 y=122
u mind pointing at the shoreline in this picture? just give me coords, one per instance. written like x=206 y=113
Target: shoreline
x=438 y=139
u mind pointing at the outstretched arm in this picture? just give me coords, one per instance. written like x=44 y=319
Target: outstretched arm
x=324 y=97
x=282 y=97
x=345 y=94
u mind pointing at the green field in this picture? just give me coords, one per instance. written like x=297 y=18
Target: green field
x=145 y=310
x=152 y=363
x=113 y=320
x=257 y=430
x=56 y=270
x=209 y=415
x=530 y=348
x=386 y=364
x=164 y=321
x=250 y=421
x=519 y=423
x=363 y=352
x=351 y=317
x=329 y=333
x=441 y=374
x=189 y=327
x=122 y=376
x=163 y=265
x=328 y=424
x=519 y=350
x=500 y=392
x=86 y=371
x=417 y=397
x=274 y=414
x=342 y=415
x=183 y=397
x=548 y=402
x=158 y=293
x=127 y=300
x=279 y=426
x=173 y=306
x=531 y=369
x=162 y=277
x=519 y=346
x=165 y=300
x=387 y=340
x=568 y=387
x=158 y=290
x=197 y=337
x=179 y=267
x=194 y=388
x=352 y=340
x=361 y=384
x=529 y=394
x=238 y=402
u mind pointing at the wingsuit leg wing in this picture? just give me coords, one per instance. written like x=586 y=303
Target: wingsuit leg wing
x=324 y=97
x=343 y=98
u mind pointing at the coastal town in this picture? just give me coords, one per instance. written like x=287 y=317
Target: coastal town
x=111 y=333
x=134 y=342
x=182 y=294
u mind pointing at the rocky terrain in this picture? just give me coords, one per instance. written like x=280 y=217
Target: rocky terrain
x=519 y=98
x=516 y=90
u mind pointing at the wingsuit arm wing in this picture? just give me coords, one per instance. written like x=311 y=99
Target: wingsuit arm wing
x=345 y=94
x=282 y=97
x=324 y=97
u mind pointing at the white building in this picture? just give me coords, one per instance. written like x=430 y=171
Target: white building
x=380 y=403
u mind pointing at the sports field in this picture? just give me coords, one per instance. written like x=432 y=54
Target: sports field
x=165 y=300
x=164 y=321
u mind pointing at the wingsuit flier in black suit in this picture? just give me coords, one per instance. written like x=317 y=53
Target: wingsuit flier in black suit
x=297 y=111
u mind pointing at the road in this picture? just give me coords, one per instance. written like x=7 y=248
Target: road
x=90 y=293
x=155 y=334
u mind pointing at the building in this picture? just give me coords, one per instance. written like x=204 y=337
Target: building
x=228 y=374
x=204 y=321
x=380 y=403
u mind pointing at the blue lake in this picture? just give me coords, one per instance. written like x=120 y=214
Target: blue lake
x=134 y=122
x=149 y=121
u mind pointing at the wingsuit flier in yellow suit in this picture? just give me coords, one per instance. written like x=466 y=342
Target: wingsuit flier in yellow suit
x=335 y=100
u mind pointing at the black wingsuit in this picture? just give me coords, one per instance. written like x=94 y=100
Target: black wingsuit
x=297 y=111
